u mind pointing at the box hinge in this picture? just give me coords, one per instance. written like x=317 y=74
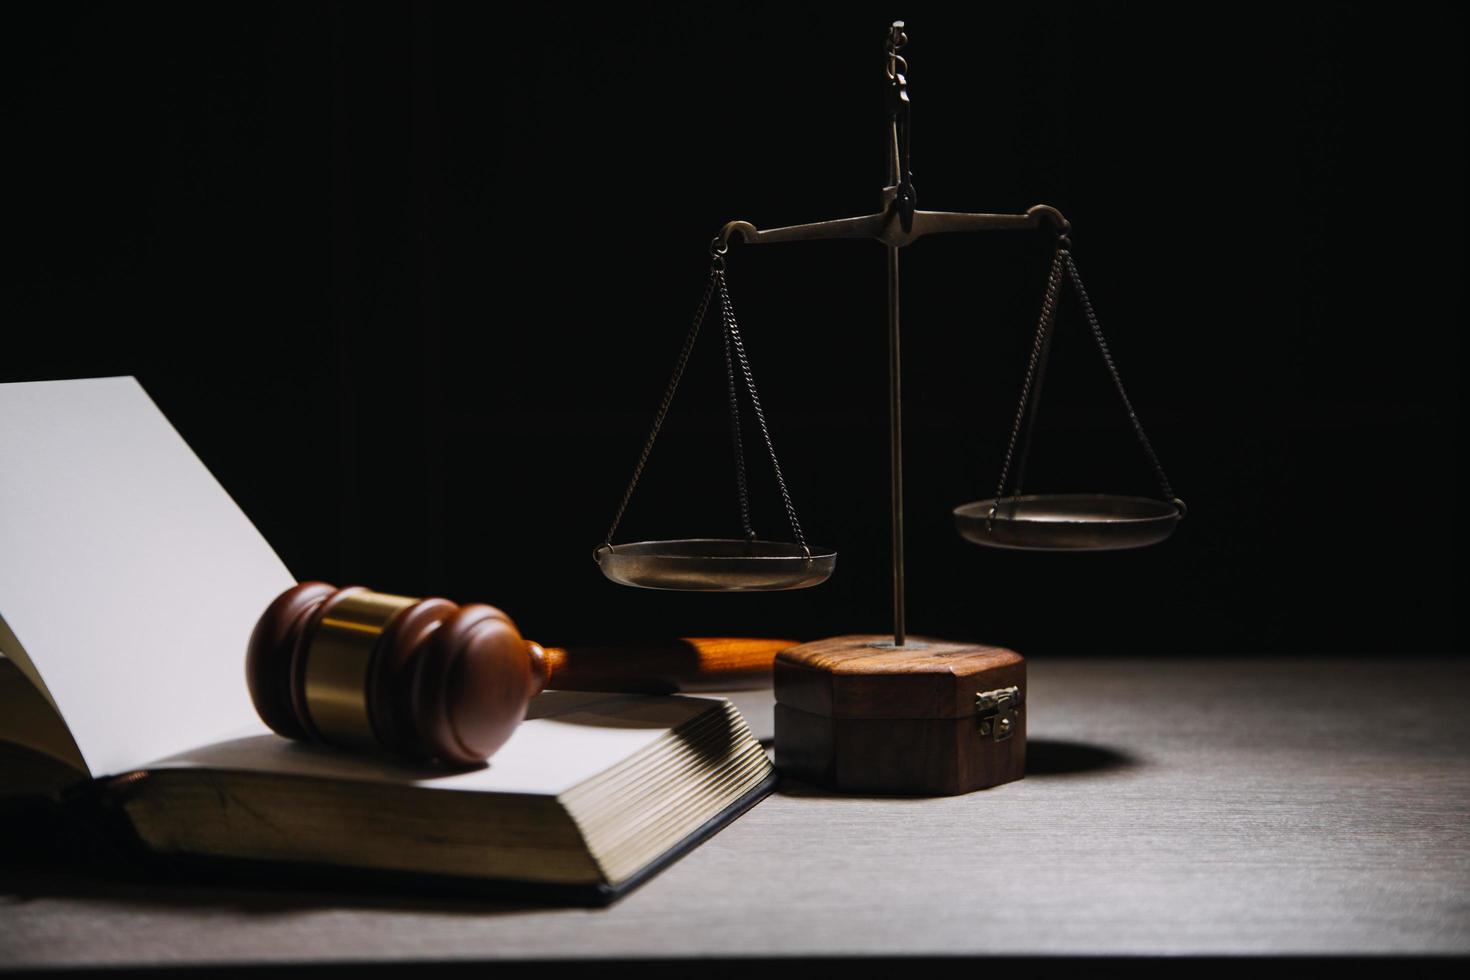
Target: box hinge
x=997 y=711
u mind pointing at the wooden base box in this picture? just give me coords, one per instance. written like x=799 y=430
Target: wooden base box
x=933 y=718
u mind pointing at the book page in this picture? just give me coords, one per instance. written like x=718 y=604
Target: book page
x=128 y=576
x=28 y=719
x=567 y=738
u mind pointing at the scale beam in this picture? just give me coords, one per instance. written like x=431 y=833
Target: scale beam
x=886 y=226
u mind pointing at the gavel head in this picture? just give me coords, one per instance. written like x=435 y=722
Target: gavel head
x=420 y=678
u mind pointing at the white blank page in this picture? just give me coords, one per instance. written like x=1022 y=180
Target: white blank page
x=128 y=575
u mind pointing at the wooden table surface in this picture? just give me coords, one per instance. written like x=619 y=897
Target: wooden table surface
x=1255 y=805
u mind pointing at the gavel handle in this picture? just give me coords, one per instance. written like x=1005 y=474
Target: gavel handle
x=661 y=666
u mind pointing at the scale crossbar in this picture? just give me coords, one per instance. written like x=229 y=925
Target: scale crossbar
x=887 y=226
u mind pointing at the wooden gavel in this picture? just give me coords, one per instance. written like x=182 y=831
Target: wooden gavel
x=429 y=679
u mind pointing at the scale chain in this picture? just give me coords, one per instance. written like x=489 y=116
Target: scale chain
x=741 y=486
x=732 y=329
x=668 y=399
x=1102 y=345
x=1043 y=326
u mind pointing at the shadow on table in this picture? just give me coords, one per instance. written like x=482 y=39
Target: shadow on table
x=1047 y=757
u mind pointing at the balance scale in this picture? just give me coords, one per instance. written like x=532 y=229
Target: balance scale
x=1009 y=519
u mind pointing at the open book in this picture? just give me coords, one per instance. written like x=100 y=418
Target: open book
x=129 y=583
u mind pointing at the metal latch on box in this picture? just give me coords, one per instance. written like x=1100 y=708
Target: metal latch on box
x=998 y=710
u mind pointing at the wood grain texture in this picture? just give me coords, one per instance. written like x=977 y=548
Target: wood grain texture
x=857 y=715
x=896 y=756
x=1245 y=806
x=848 y=677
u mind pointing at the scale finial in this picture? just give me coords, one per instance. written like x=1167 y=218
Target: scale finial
x=900 y=171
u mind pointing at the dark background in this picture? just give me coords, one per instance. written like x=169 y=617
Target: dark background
x=410 y=279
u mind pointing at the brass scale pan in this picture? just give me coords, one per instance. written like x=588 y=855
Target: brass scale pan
x=716 y=565
x=1067 y=522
